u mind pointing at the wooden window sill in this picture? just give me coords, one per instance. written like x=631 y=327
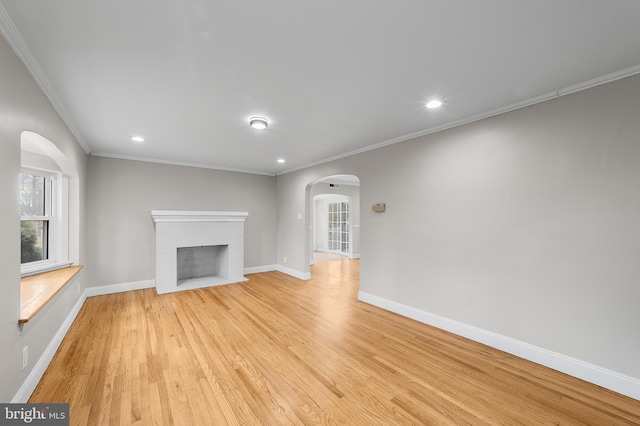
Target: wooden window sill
x=37 y=290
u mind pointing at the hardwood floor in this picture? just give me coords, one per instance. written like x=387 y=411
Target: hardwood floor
x=321 y=256
x=276 y=350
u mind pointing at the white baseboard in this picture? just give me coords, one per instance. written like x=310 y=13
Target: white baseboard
x=617 y=382
x=119 y=288
x=258 y=269
x=354 y=256
x=30 y=383
x=279 y=268
x=293 y=272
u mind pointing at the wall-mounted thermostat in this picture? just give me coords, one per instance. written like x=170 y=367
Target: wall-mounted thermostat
x=378 y=208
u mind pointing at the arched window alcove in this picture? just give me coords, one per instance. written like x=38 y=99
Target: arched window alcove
x=41 y=157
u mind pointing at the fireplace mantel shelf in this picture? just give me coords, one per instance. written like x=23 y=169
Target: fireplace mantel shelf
x=197 y=216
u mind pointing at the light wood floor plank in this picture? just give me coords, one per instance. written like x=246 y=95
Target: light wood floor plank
x=277 y=350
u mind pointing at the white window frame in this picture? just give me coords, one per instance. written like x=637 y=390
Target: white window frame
x=58 y=215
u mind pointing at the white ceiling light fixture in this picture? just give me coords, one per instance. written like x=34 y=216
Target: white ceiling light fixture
x=435 y=103
x=137 y=138
x=259 y=123
x=281 y=160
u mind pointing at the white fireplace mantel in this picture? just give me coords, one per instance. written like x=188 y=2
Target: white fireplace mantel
x=197 y=216
x=178 y=229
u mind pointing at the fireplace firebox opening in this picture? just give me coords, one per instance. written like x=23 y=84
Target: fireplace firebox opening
x=202 y=261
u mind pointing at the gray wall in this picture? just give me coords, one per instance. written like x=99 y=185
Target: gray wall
x=122 y=194
x=526 y=224
x=23 y=106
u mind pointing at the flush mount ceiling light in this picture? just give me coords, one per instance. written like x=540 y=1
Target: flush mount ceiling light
x=137 y=138
x=435 y=103
x=258 y=123
x=280 y=160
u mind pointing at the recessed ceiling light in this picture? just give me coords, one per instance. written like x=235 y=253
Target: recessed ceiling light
x=435 y=103
x=281 y=160
x=137 y=138
x=258 y=123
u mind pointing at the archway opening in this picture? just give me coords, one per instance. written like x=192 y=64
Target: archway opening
x=333 y=214
x=331 y=230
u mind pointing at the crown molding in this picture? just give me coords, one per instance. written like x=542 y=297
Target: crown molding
x=20 y=48
x=618 y=75
x=17 y=43
x=178 y=163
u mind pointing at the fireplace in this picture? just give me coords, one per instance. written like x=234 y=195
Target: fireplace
x=197 y=249
x=202 y=262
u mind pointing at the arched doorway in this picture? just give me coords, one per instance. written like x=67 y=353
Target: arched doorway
x=331 y=226
x=334 y=216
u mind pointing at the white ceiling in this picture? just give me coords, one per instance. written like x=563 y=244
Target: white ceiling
x=333 y=77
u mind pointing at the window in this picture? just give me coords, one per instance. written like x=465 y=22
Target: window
x=338 y=215
x=42 y=220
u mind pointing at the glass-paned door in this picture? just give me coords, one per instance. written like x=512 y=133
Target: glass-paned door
x=338 y=216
